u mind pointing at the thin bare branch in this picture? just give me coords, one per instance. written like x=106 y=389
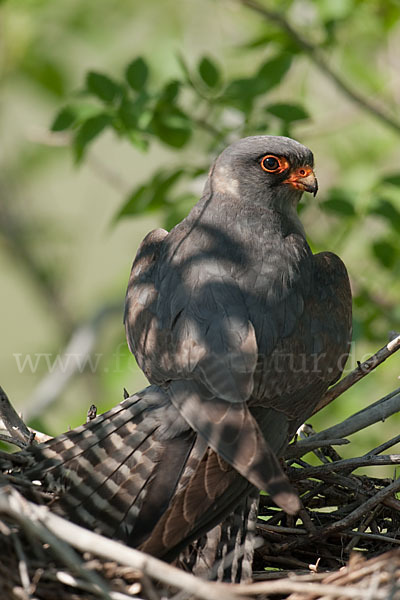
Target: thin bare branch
x=12 y=421
x=287 y=586
x=22 y=565
x=362 y=509
x=317 y=57
x=358 y=373
x=51 y=527
x=298 y=449
x=13 y=441
x=382 y=447
x=347 y=464
x=378 y=411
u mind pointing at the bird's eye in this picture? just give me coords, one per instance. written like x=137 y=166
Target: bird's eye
x=273 y=164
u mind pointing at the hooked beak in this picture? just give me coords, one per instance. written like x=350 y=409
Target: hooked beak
x=303 y=178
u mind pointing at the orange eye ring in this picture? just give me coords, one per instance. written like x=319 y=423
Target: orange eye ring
x=274 y=164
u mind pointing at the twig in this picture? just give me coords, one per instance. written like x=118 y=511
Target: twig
x=349 y=573
x=44 y=523
x=22 y=565
x=68 y=579
x=346 y=464
x=286 y=586
x=280 y=529
x=392 y=442
x=29 y=515
x=362 y=509
x=20 y=434
x=368 y=521
x=317 y=57
x=298 y=449
x=12 y=421
x=149 y=588
x=371 y=536
x=9 y=440
x=378 y=411
x=359 y=372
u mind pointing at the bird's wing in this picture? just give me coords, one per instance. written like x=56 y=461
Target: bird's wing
x=191 y=333
x=331 y=312
x=303 y=365
x=220 y=488
x=141 y=298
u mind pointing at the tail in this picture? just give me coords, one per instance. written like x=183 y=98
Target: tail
x=117 y=474
x=225 y=553
x=140 y=474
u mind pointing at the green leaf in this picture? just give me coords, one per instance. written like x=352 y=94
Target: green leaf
x=87 y=132
x=170 y=92
x=171 y=125
x=339 y=206
x=263 y=40
x=151 y=196
x=242 y=92
x=137 y=140
x=102 y=86
x=128 y=113
x=287 y=112
x=273 y=71
x=393 y=179
x=209 y=72
x=137 y=202
x=64 y=119
x=340 y=9
x=388 y=211
x=137 y=74
x=163 y=185
x=385 y=253
x=132 y=112
x=46 y=72
x=338 y=202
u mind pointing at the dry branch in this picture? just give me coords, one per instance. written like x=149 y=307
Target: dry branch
x=378 y=411
x=11 y=421
x=342 y=511
x=49 y=527
x=351 y=582
x=359 y=372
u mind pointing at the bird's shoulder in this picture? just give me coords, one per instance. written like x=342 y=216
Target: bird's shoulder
x=330 y=273
x=142 y=291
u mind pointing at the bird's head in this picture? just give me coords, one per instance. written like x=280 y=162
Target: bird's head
x=267 y=170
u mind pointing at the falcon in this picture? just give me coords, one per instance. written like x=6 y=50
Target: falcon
x=240 y=329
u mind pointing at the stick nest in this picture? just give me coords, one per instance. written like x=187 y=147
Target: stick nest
x=345 y=540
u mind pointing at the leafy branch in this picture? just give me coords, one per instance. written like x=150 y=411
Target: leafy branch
x=317 y=57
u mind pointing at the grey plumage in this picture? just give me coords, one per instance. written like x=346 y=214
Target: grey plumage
x=213 y=305
x=240 y=329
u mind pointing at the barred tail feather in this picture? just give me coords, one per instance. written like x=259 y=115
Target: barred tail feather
x=104 y=470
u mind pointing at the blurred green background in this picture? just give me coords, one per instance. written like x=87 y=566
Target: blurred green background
x=111 y=113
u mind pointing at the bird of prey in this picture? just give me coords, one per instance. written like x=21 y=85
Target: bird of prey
x=240 y=329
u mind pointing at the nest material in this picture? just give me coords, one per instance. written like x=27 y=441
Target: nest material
x=345 y=543
x=343 y=513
